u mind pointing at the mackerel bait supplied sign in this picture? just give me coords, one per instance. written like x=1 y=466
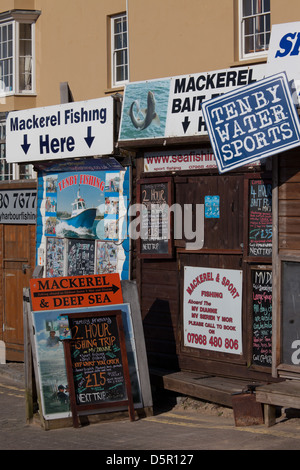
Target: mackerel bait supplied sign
x=254 y=122
x=171 y=107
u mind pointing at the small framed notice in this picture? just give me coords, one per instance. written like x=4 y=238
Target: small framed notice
x=155 y=239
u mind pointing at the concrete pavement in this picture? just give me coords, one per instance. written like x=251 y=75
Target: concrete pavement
x=178 y=428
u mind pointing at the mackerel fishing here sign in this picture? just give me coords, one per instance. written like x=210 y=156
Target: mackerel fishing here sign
x=77 y=129
x=253 y=122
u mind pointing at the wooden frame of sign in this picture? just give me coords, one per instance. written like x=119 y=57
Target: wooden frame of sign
x=100 y=378
x=254 y=219
x=152 y=191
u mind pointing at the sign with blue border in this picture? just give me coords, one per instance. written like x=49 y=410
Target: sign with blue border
x=253 y=122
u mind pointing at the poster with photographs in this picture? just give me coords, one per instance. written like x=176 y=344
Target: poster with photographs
x=89 y=205
x=106 y=257
x=55 y=257
x=51 y=365
x=50 y=205
x=81 y=257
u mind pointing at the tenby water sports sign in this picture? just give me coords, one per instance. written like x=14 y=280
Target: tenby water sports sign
x=83 y=128
x=256 y=121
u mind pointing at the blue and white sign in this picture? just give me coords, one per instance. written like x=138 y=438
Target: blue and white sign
x=254 y=122
x=79 y=129
x=284 y=54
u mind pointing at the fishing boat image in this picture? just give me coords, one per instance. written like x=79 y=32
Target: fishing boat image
x=81 y=216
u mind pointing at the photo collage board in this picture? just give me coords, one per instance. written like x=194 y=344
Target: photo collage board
x=82 y=225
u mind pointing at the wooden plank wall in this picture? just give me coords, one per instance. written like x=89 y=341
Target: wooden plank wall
x=289 y=203
x=14 y=353
x=160 y=311
x=161 y=282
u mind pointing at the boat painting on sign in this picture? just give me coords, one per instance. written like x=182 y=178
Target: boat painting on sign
x=83 y=205
x=81 y=216
x=80 y=204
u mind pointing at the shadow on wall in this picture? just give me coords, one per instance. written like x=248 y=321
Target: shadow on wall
x=160 y=331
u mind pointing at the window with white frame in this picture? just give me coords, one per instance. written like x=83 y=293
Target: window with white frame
x=119 y=48
x=255 y=23
x=11 y=171
x=6 y=171
x=17 y=52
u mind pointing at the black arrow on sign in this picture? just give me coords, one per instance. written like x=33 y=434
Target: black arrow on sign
x=186 y=123
x=95 y=290
x=25 y=146
x=89 y=139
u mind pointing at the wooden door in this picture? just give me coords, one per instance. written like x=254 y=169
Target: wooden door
x=17 y=269
x=222 y=249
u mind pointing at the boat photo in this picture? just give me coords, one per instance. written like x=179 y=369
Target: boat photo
x=81 y=216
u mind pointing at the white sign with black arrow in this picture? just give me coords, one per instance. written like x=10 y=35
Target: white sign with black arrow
x=78 y=129
x=172 y=107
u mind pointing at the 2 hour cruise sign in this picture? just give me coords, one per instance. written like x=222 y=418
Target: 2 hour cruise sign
x=69 y=130
x=256 y=121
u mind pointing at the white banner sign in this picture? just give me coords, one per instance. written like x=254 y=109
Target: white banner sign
x=18 y=206
x=179 y=160
x=172 y=107
x=80 y=129
x=284 y=54
x=212 y=313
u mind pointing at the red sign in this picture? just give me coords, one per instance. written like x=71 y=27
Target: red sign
x=76 y=291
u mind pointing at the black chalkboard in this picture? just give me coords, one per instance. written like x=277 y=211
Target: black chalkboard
x=260 y=218
x=81 y=257
x=97 y=365
x=262 y=317
x=155 y=238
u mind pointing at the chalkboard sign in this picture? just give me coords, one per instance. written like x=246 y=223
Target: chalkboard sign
x=260 y=218
x=81 y=257
x=97 y=365
x=155 y=237
x=262 y=317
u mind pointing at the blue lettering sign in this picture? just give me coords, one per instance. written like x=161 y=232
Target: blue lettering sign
x=289 y=45
x=55 y=145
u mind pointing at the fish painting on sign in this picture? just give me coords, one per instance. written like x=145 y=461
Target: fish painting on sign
x=145 y=110
x=149 y=114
